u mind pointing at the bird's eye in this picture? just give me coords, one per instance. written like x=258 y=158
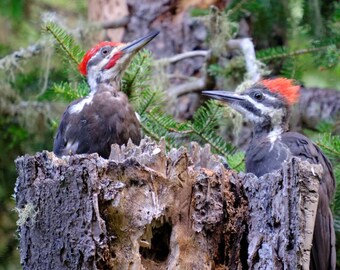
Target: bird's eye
x=105 y=51
x=258 y=96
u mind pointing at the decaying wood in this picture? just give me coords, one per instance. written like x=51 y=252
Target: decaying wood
x=147 y=209
x=282 y=216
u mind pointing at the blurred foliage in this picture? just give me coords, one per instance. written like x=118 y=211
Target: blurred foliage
x=26 y=124
x=297 y=39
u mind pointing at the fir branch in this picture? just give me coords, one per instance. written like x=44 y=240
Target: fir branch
x=237 y=7
x=65 y=91
x=153 y=134
x=168 y=123
x=286 y=54
x=196 y=128
x=132 y=80
x=148 y=102
x=329 y=149
x=210 y=119
x=239 y=164
x=236 y=161
x=66 y=42
x=149 y=131
x=215 y=141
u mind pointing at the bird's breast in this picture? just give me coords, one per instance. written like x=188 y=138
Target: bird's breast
x=265 y=155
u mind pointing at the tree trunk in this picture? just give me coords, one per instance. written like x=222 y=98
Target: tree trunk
x=104 y=11
x=147 y=209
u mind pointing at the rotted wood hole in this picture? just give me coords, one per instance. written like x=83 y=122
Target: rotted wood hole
x=148 y=208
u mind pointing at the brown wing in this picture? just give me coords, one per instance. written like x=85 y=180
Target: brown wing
x=106 y=120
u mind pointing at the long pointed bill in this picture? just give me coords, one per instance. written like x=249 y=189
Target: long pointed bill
x=127 y=51
x=225 y=96
x=138 y=44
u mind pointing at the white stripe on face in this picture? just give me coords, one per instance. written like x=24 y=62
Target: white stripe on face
x=269 y=97
x=275 y=114
x=246 y=114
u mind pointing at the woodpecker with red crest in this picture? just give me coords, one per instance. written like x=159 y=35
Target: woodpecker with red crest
x=267 y=106
x=104 y=117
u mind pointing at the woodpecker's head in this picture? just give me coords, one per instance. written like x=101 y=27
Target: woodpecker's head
x=266 y=103
x=106 y=62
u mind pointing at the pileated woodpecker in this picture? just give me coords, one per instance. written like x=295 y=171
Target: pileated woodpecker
x=91 y=124
x=267 y=105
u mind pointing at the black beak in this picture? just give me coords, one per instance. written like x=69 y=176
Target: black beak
x=223 y=95
x=138 y=44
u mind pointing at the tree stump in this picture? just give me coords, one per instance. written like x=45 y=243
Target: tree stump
x=144 y=208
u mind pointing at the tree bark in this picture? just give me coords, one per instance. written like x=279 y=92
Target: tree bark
x=147 y=209
x=105 y=11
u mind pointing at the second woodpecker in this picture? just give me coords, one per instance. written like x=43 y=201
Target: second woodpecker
x=91 y=124
x=267 y=106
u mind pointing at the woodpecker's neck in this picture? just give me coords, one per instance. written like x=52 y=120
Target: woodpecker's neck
x=271 y=127
x=106 y=85
x=109 y=78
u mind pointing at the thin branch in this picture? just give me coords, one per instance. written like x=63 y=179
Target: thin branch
x=13 y=59
x=180 y=77
x=186 y=88
x=115 y=23
x=181 y=56
x=246 y=46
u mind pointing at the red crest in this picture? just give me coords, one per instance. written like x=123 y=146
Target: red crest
x=284 y=87
x=90 y=53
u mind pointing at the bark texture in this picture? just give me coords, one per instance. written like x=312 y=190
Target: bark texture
x=282 y=216
x=147 y=209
